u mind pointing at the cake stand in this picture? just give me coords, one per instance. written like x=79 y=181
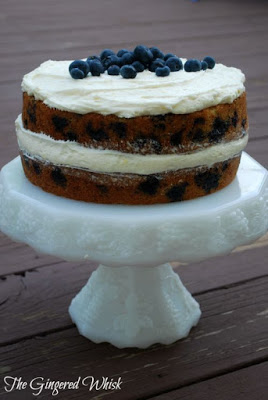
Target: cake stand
x=142 y=301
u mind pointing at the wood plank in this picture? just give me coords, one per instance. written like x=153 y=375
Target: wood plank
x=224 y=271
x=37 y=301
x=159 y=11
x=143 y=12
x=190 y=47
x=246 y=384
x=17 y=257
x=232 y=334
x=258 y=149
x=263 y=241
x=223 y=28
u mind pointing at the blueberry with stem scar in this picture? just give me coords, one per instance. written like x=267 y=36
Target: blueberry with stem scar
x=174 y=64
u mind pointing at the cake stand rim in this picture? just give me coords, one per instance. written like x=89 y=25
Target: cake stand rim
x=117 y=260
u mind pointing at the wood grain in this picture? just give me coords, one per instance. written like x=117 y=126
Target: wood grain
x=34 y=302
x=237 y=385
x=231 y=334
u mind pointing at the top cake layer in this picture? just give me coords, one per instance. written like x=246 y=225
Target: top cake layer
x=179 y=93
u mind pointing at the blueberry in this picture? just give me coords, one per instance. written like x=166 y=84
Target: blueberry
x=96 y=68
x=128 y=72
x=105 y=53
x=113 y=70
x=127 y=58
x=192 y=65
x=111 y=60
x=143 y=54
x=121 y=52
x=92 y=58
x=162 y=71
x=139 y=67
x=82 y=65
x=77 y=73
x=204 y=65
x=174 y=64
x=168 y=55
x=157 y=53
x=210 y=62
x=116 y=60
x=156 y=63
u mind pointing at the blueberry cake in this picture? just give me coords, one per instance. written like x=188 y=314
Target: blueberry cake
x=135 y=127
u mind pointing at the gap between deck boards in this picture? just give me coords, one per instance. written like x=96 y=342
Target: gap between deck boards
x=220 y=384
x=222 y=342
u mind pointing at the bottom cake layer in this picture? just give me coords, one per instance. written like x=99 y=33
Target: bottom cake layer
x=84 y=185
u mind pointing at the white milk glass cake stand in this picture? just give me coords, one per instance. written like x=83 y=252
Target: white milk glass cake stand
x=142 y=301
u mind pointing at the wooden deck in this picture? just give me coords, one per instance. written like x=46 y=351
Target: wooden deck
x=226 y=355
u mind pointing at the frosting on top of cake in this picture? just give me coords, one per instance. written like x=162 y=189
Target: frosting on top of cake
x=179 y=93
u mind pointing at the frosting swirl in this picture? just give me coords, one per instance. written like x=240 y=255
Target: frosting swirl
x=179 y=93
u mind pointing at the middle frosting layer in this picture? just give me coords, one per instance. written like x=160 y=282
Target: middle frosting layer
x=74 y=155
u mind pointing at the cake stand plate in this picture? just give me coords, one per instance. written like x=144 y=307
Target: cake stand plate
x=135 y=304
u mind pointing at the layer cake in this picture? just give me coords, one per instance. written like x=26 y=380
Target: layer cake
x=106 y=139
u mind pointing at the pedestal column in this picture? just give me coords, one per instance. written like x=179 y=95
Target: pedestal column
x=134 y=306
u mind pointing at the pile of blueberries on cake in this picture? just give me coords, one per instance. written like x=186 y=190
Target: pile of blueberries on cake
x=128 y=63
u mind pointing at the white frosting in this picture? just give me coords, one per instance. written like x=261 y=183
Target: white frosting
x=179 y=93
x=72 y=154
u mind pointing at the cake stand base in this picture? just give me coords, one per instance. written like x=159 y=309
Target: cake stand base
x=134 y=307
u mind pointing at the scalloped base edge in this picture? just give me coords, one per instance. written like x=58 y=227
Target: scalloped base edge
x=134 y=307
